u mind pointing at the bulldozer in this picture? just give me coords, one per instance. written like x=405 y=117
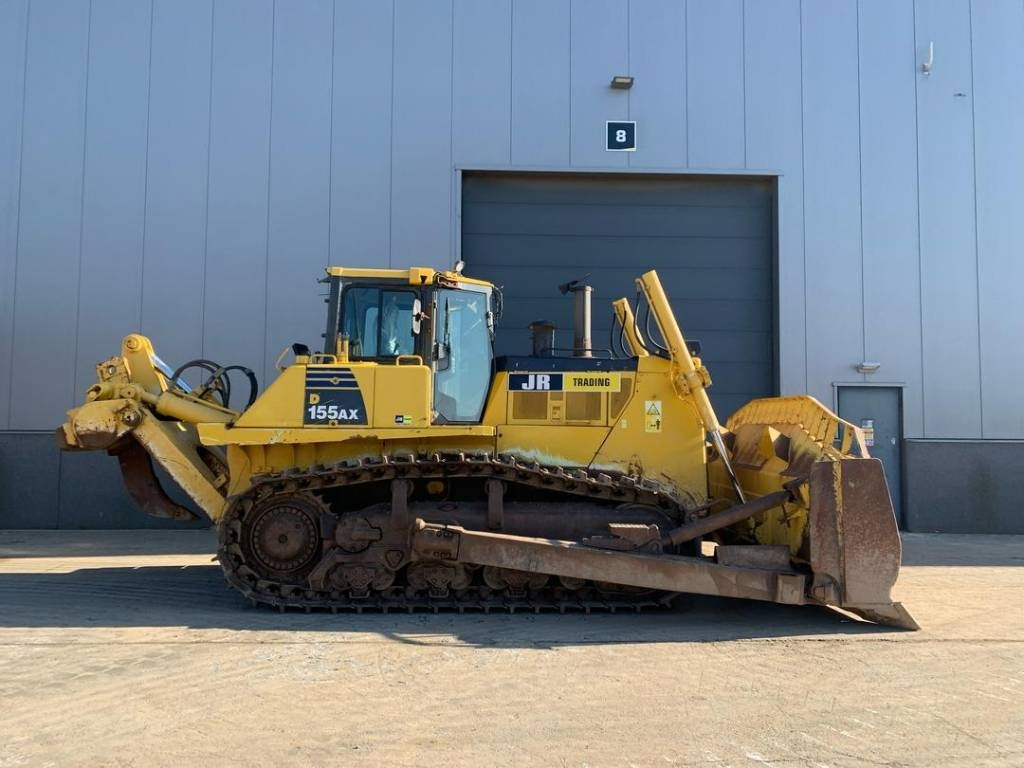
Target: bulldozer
x=407 y=467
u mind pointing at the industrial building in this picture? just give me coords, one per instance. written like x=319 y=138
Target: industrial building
x=831 y=192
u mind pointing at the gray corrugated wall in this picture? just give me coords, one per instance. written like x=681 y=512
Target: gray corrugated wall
x=186 y=167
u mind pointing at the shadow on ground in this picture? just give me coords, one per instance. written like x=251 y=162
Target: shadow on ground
x=16 y=544
x=918 y=548
x=195 y=596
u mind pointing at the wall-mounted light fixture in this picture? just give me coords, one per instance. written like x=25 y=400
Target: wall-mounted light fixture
x=622 y=82
x=867 y=367
x=926 y=66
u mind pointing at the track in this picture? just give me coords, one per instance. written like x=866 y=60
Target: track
x=299 y=576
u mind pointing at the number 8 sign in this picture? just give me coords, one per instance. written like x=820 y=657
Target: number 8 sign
x=621 y=136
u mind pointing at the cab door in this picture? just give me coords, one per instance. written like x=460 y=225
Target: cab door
x=462 y=354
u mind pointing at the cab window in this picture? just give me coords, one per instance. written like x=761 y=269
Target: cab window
x=463 y=357
x=378 y=322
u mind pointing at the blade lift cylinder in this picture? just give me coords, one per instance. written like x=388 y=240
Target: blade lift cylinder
x=689 y=379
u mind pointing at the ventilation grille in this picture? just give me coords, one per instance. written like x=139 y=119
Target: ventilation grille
x=617 y=400
x=530 y=405
x=583 y=406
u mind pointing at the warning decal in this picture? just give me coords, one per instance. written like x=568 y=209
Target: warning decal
x=867 y=426
x=652 y=415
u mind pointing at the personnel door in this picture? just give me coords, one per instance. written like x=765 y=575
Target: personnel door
x=878 y=411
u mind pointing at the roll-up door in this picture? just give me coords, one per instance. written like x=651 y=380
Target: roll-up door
x=710 y=238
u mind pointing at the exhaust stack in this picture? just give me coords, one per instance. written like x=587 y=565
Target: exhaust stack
x=582 y=346
x=542 y=332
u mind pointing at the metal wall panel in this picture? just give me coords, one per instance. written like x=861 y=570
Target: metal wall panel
x=599 y=41
x=998 y=41
x=422 y=192
x=337 y=130
x=987 y=476
x=29 y=481
x=300 y=176
x=715 y=84
x=177 y=175
x=540 y=83
x=92 y=493
x=892 y=305
x=774 y=140
x=114 y=186
x=834 y=300
x=235 y=316
x=657 y=101
x=948 y=245
x=482 y=82
x=361 y=133
x=13 y=35
x=49 y=233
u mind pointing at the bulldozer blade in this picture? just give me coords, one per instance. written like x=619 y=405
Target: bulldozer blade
x=892 y=615
x=855 y=548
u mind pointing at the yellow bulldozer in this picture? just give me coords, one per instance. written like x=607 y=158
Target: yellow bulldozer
x=407 y=467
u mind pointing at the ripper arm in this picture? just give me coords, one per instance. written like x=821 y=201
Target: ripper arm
x=133 y=412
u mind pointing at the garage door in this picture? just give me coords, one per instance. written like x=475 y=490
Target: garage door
x=710 y=238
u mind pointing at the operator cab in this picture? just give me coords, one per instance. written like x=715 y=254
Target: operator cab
x=417 y=317
x=378 y=322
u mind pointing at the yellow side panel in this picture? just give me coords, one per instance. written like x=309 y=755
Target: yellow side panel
x=495 y=411
x=652 y=432
x=401 y=396
x=658 y=435
x=221 y=434
x=552 y=445
x=393 y=396
x=280 y=405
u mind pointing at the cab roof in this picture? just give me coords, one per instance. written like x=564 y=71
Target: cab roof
x=412 y=275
